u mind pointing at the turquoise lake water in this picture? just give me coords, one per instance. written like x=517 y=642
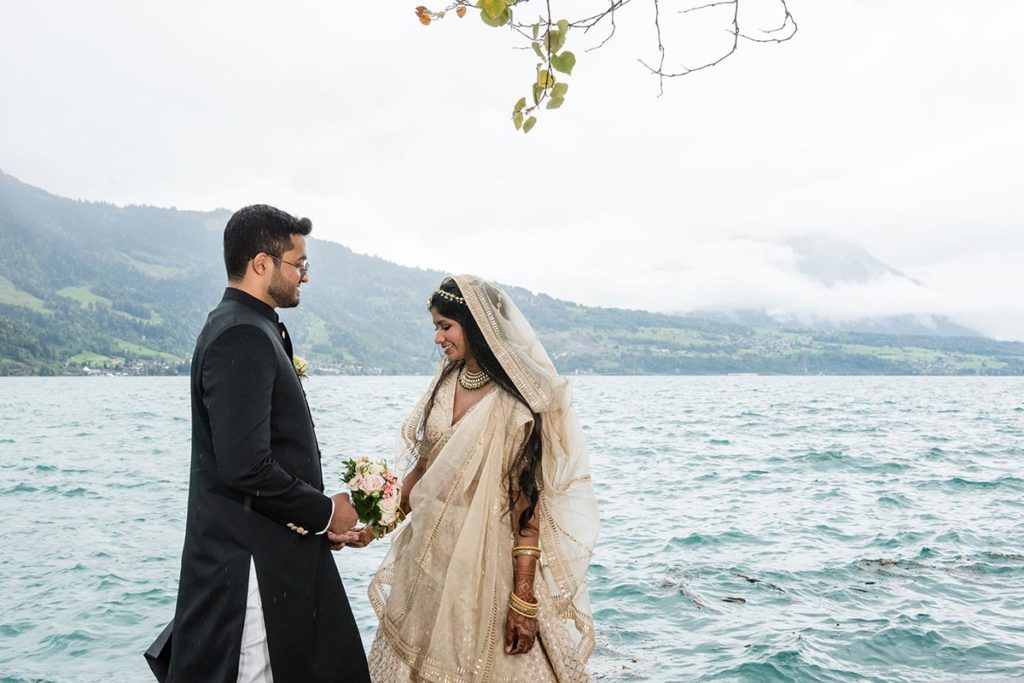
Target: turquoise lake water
x=754 y=528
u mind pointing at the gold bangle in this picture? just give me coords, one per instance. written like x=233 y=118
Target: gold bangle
x=528 y=615
x=523 y=603
x=520 y=606
x=531 y=550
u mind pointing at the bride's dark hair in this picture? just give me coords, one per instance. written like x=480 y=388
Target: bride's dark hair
x=526 y=464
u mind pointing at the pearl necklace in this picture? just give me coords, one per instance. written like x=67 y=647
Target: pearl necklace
x=471 y=381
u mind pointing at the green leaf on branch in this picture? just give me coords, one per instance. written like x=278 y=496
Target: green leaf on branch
x=553 y=41
x=563 y=26
x=564 y=62
x=555 y=102
x=536 y=30
x=536 y=48
x=537 y=90
x=517 y=119
x=560 y=89
x=520 y=103
x=492 y=8
x=530 y=123
x=545 y=79
x=499 y=21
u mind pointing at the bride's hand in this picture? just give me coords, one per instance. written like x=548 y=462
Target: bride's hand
x=366 y=536
x=339 y=541
x=520 y=633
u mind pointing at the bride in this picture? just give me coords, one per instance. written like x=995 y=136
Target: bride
x=486 y=579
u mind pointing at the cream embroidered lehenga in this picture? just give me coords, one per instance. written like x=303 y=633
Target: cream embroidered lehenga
x=441 y=594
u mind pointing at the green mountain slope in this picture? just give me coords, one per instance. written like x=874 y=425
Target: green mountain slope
x=90 y=285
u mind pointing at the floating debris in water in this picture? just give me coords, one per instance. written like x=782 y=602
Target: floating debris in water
x=691 y=596
x=751 y=579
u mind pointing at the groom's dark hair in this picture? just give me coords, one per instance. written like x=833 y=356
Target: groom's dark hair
x=259 y=228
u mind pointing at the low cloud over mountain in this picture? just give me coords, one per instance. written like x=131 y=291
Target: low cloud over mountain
x=821 y=283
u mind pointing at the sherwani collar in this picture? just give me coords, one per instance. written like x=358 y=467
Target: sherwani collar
x=235 y=294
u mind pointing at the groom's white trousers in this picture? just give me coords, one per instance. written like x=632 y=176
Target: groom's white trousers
x=254 y=658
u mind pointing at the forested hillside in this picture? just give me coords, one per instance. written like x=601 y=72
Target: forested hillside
x=88 y=287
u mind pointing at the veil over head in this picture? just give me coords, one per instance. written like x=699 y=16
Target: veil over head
x=514 y=344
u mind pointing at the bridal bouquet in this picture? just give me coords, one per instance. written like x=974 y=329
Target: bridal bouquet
x=376 y=494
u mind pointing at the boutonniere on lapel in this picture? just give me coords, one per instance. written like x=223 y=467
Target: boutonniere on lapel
x=301 y=366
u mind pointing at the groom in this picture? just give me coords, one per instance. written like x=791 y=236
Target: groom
x=260 y=598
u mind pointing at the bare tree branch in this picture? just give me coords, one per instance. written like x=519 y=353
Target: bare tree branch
x=785 y=31
x=660 y=71
x=710 y=4
x=788 y=24
x=779 y=34
x=788 y=28
x=609 y=36
x=588 y=23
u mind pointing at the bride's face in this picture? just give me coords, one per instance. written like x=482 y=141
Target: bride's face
x=449 y=336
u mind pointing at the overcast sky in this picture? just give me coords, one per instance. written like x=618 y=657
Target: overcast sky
x=892 y=125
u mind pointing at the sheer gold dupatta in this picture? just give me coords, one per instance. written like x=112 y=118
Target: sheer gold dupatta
x=568 y=507
x=441 y=594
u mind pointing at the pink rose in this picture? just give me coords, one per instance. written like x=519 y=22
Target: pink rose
x=388 y=510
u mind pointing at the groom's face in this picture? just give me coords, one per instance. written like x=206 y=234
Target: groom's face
x=286 y=278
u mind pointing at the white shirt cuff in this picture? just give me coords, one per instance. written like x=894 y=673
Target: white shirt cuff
x=321 y=533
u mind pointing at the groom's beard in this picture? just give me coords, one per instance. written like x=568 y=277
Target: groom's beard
x=284 y=293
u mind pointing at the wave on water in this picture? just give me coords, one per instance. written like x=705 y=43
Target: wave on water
x=726 y=537
x=1008 y=481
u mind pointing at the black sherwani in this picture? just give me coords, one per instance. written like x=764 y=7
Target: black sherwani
x=256 y=491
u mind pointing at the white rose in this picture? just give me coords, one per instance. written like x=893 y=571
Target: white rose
x=356 y=483
x=375 y=468
x=373 y=482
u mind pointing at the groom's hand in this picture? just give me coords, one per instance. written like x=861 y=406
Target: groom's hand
x=345 y=516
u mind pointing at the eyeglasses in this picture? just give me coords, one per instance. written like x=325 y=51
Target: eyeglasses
x=303 y=268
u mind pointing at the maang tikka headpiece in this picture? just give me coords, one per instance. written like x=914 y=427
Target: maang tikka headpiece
x=446 y=295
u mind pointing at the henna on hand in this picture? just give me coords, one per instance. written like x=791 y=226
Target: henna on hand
x=523 y=587
x=520 y=633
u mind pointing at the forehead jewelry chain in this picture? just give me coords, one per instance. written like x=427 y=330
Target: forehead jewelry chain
x=471 y=381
